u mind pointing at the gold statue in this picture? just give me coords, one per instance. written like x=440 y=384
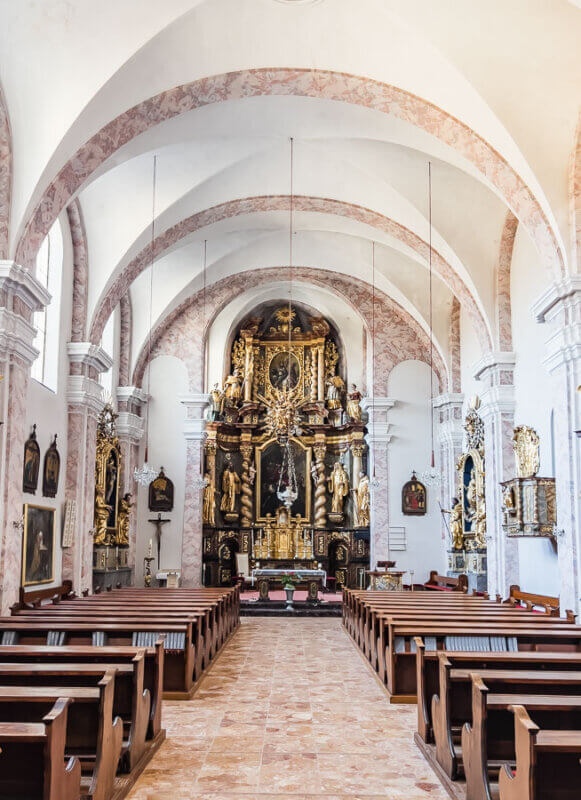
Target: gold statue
x=209 y=506
x=338 y=484
x=526 y=451
x=101 y=518
x=353 y=404
x=479 y=523
x=230 y=488
x=335 y=389
x=233 y=388
x=362 y=500
x=217 y=401
x=125 y=507
x=456 y=525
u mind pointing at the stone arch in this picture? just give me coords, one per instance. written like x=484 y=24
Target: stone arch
x=121 y=283
x=5 y=177
x=80 y=271
x=575 y=199
x=125 y=330
x=182 y=334
x=454 y=350
x=323 y=84
x=503 y=305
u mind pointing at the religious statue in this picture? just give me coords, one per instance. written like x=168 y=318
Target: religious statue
x=209 y=507
x=354 y=403
x=338 y=485
x=362 y=501
x=335 y=389
x=526 y=451
x=101 y=518
x=230 y=488
x=233 y=388
x=216 y=402
x=456 y=525
x=479 y=523
x=125 y=507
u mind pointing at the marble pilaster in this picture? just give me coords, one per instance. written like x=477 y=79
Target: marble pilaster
x=560 y=309
x=378 y=437
x=496 y=370
x=195 y=434
x=449 y=435
x=20 y=296
x=85 y=402
x=130 y=428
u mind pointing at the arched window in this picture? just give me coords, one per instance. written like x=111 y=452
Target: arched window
x=49 y=270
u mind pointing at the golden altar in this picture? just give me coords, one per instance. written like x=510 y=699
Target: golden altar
x=385 y=580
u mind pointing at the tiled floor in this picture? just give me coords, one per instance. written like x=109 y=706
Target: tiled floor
x=289 y=709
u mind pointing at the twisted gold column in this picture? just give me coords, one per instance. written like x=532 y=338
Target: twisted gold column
x=320 y=487
x=246 y=488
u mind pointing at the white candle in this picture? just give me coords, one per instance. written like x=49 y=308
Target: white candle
x=150 y=551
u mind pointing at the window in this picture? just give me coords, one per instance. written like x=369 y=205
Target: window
x=49 y=268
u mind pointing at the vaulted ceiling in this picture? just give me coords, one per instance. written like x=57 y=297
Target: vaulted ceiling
x=370 y=91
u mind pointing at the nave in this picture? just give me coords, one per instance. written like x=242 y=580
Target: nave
x=289 y=709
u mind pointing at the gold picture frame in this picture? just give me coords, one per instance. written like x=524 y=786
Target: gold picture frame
x=38 y=552
x=300 y=448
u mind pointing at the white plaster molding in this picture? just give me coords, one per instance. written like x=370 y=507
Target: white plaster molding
x=131 y=394
x=86 y=393
x=90 y=355
x=494 y=362
x=448 y=398
x=377 y=409
x=20 y=282
x=130 y=426
x=17 y=336
x=195 y=424
x=554 y=294
x=497 y=400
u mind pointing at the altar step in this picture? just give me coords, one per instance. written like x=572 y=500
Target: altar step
x=274 y=608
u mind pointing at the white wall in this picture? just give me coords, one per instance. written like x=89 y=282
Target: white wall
x=49 y=410
x=410 y=449
x=538 y=563
x=167 y=448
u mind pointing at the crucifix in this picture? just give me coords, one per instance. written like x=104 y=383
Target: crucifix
x=158 y=522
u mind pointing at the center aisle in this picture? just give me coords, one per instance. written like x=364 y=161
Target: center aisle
x=289 y=709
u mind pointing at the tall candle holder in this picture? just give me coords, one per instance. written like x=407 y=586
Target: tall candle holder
x=147 y=569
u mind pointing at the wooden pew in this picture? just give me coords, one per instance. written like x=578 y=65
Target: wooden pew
x=35 y=598
x=490 y=738
x=548 y=762
x=152 y=674
x=529 y=600
x=445 y=583
x=427 y=672
x=453 y=705
x=131 y=703
x=91 y=733
x=32 y=758
x=178 y=673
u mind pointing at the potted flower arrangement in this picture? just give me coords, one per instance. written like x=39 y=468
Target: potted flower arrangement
x=289 y=582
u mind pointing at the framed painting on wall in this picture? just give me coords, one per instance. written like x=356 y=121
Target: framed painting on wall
x=38 y=545
x=51 y=470
x=413 y=497
x=161 y=492
x=31 y=463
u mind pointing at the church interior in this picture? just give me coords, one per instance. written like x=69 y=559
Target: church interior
x=290 y=399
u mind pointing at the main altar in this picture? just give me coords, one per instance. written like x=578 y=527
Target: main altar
x=285 y=372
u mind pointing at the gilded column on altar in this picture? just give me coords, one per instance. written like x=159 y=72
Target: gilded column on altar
x=320 y=449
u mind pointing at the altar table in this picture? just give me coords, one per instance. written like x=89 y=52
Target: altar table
x=309 y=576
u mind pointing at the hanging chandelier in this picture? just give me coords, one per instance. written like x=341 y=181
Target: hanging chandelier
x=145 y=474
x=431 y=476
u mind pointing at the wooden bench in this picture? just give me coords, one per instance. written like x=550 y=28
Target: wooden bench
x=428 y=665
x=91 y=732
x=550 y=605
x=153 y=658
x=547 y=762
x=32 y=758
x=445 y=583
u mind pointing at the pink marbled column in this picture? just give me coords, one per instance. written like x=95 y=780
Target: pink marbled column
x=503 y=304
x=5 y=176
x=454 y=347
x=80 y=271
x=192 y=531
x=125 y=327
x=80 y=486
x=13 y=390
x=379 y=503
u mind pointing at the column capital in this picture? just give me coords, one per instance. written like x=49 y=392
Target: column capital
x=560 y=306
x=85 y=393
x=89 y=355
x=131 y=394
x=129 y=426
x=19 y=282
x=564 y=292
x=496 y=367
x=195 y=424
x=17 y=336
x=377 y=409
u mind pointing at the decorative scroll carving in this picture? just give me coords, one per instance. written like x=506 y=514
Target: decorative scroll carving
x=526 y=451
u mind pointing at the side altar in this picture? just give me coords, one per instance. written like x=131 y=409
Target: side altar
x=285 y=459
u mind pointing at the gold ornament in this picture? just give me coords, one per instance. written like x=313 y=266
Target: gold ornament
x=526 y=451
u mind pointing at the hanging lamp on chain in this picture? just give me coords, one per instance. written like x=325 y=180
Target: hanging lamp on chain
x=431 y=476
x=145 y=474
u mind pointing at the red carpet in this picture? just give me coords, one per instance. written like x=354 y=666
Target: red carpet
x=300 y=594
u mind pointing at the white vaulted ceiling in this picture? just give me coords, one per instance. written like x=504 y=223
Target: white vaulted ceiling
x=509 y=71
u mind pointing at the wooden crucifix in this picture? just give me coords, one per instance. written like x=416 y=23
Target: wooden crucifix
x=158 y=522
